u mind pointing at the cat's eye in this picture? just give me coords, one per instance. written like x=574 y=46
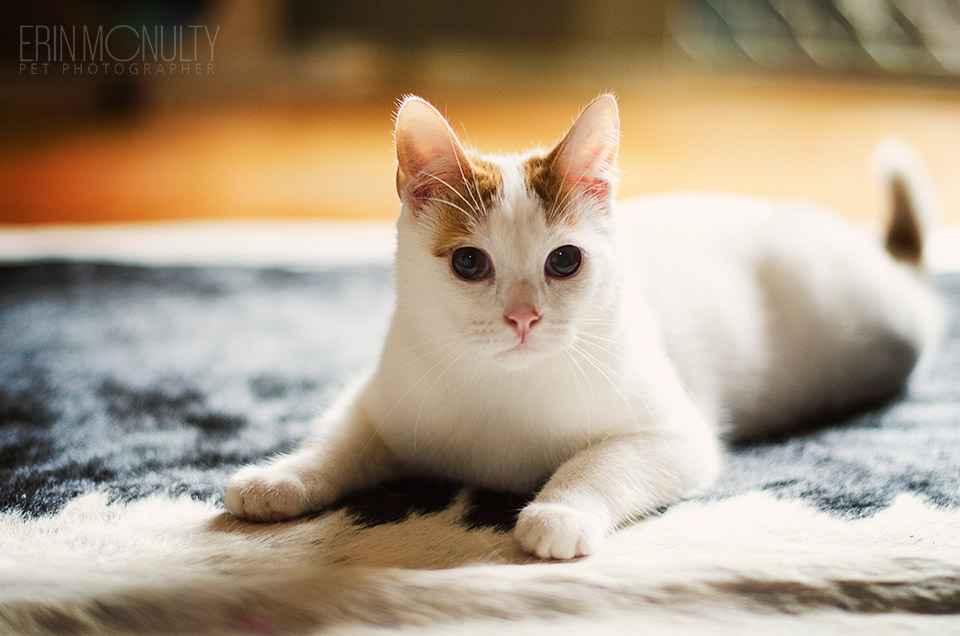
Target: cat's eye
x=563 y=261
x=470 y=263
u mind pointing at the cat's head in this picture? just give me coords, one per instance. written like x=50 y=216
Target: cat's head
x=507 y=256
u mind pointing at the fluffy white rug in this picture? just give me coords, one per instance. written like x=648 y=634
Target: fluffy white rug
x=746 y=564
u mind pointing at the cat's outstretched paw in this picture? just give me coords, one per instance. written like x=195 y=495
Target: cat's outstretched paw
x=256 y=493
x=557 y=531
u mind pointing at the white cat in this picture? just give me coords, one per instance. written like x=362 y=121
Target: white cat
x=545 y=338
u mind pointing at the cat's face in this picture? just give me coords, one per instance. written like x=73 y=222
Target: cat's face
x=509 y=257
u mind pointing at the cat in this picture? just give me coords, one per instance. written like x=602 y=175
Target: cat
x=545 y=339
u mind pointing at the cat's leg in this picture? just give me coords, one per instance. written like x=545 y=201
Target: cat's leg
x=344 y=454
x=609 y=482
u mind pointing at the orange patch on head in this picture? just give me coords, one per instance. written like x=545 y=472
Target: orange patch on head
x=464 y=205
x=582 y=167
x=543 y=178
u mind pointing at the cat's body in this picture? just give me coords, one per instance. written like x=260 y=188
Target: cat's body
x=776 y=312
x=542 y=339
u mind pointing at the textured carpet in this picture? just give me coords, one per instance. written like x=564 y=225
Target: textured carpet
x=128 y=395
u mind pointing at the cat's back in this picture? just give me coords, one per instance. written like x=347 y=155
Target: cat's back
x=686 y=229
x=773 y=311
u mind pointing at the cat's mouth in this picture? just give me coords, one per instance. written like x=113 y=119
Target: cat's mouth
x=525 y=349
x=533 y=346
x=518 y=348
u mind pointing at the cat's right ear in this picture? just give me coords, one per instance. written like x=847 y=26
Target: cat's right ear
x=431 y=163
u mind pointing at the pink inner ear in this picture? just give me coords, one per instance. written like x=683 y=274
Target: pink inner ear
x=593 y=187
x=587 y=156
x=585 y=175
x=427 y=178
x=432 y=164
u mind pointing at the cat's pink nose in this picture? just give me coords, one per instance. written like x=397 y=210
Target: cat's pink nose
x=522 y=319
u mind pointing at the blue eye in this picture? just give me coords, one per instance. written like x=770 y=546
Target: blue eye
x=563 y=262
x=470 y=263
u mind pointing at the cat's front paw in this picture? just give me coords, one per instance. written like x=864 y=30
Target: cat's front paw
x=558 y=531
x=259 y=493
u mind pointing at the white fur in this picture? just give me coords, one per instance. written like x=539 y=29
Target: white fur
x=748 y=564
x=776 y=311
x=690 y=314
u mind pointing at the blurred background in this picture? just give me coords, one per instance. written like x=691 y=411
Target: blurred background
x=236 y=109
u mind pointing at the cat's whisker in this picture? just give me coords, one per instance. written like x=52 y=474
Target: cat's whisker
x=460 y=389
x=603 y=370
x=597 y=341
x=470 y=217
x=588 y=408
x=569 y=200
x=479 y=197
x=605 y=333
x=606 y=325
x=455 y=191
x=599 y=350
x=426 y=394
x=483 y=206
x=612 y=338
x=561 y=206
x=561 y=203
x=410 y=388
x=463 y=179
x=452 y=341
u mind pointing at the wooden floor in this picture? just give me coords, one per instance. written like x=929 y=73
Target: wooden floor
x=801 y=139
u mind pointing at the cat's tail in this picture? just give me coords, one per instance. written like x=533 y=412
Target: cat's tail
x=912 y=200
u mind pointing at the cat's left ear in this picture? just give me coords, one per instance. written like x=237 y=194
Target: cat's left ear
x=585 y=161
x=430 y=160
